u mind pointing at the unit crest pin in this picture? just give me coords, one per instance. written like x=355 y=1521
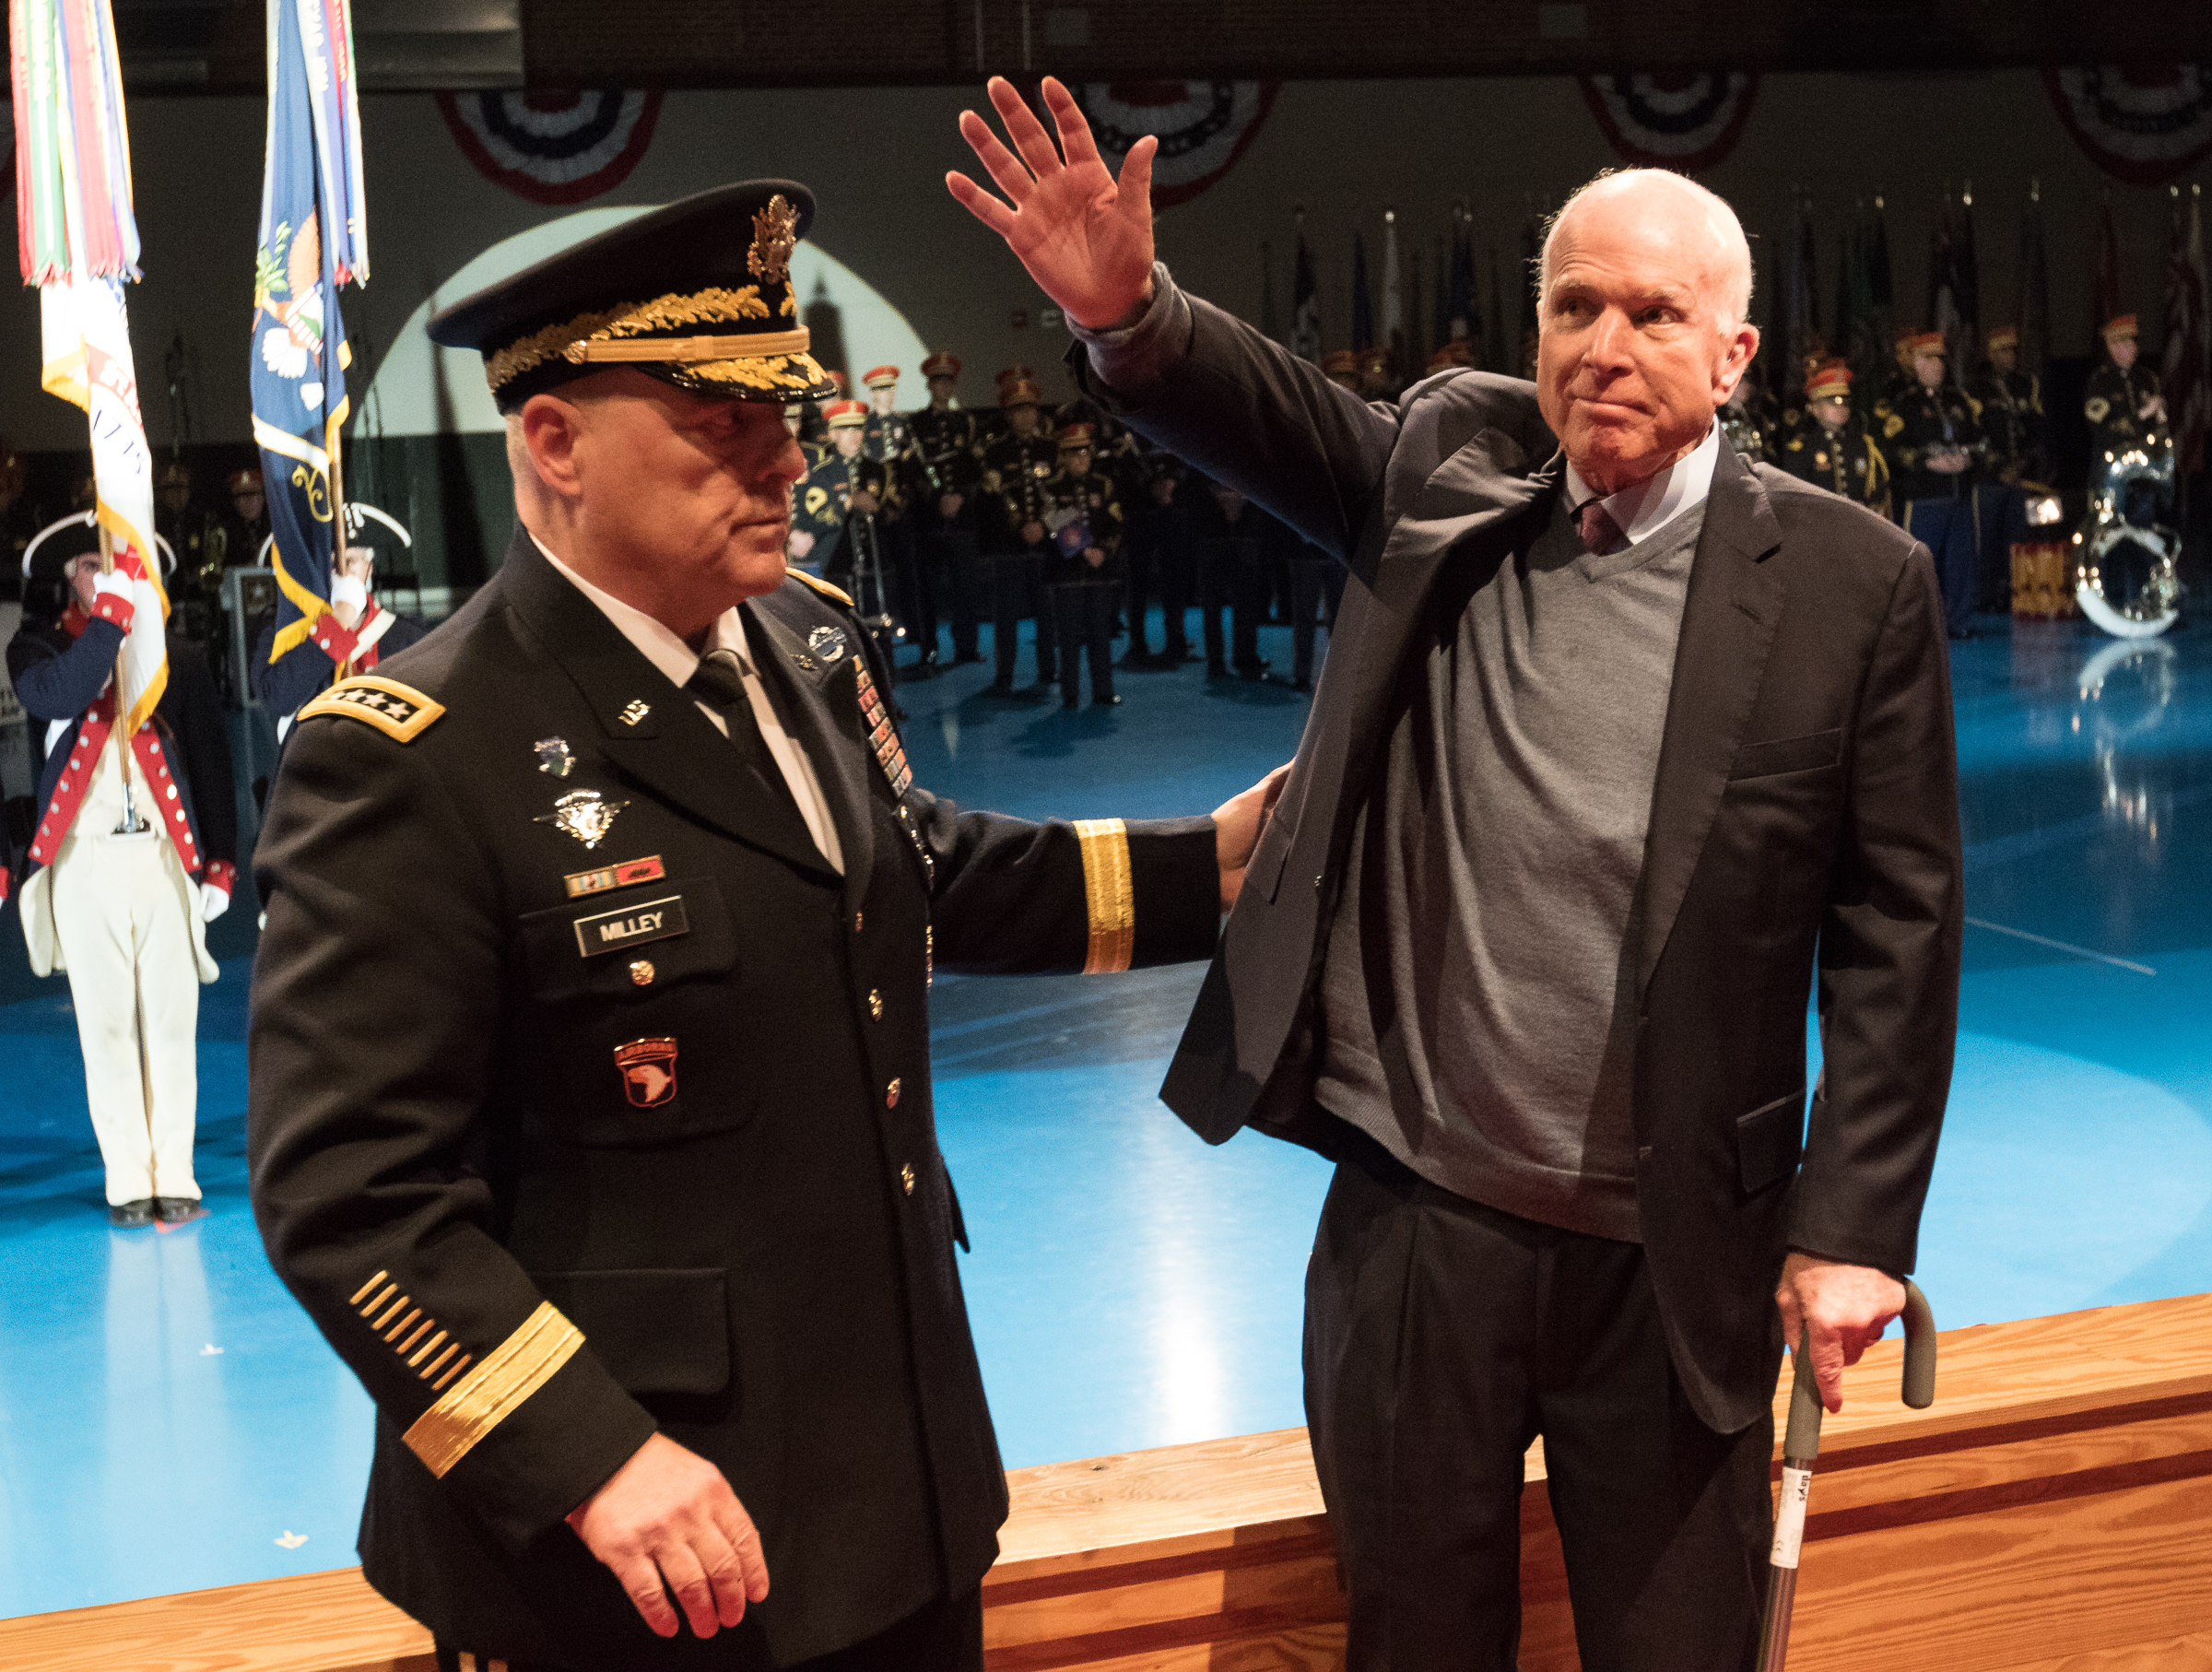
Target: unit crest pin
x=554 y=756
x=583 y=814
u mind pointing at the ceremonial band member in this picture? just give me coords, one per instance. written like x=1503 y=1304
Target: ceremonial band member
x=1638 y=735
x=1015 y=468
x=2123 y=401
x=949 y=466
x=1084 y=519
x=135 y=853
x=1934 y=433
x=590 y=1107
x=1834 y=450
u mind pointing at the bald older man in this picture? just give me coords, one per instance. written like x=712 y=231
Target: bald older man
x=1633 y=738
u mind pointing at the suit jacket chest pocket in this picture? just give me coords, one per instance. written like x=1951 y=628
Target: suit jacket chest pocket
x=628 y=1037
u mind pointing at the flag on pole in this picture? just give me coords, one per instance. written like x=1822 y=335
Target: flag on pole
x=1393 y=301
x=1466 y=322
x=77 y=239
x=1858 y=328
x=2034 y=314
x=313 y=239
x=1363 y=305
x=1944 y=312
x=2104 y=271
x=2187 y=375
x=1305 y=302
x=1966 y=285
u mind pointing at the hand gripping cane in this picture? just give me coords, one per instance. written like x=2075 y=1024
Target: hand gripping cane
x=1801 y=1444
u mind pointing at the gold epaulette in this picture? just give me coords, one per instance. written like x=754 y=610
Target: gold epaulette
x=400 y=711
x=822 y=586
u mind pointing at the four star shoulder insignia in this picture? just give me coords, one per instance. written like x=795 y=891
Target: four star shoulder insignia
x=400 y=711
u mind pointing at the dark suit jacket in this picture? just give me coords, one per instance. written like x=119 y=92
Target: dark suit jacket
x=451 y=1164
x=1805 y=818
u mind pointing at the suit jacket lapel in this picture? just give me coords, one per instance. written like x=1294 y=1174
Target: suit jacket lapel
x=1728 y=622
x=652 y=732
x=821 y=701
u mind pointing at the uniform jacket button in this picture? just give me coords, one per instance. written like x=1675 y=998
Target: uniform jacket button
x=875 y=1005
x=890 y=1095
x=906 y=1178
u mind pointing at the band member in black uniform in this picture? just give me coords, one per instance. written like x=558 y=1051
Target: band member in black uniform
x=1084 y=517
x=1832 y=449
x=1015 y=468
x=949 y=468
x=2123 y=404
x=844 y=487
x=2011 y=403
x=1233 y=539
x=889 y=441
x=1341 y=366
x=1743 y=427
x=1156 y=542
x=590 y=1112
x=1931 y=432
x=993 y=426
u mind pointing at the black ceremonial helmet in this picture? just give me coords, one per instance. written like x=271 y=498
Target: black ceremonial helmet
x=697 y=293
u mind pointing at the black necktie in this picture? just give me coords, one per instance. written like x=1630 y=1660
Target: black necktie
x=719 y=682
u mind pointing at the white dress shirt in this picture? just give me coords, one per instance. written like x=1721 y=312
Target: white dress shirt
x=666 y=651
x=1651 y=504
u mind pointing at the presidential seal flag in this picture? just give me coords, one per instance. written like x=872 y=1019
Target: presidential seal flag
x=78 y=241
x=314 y=238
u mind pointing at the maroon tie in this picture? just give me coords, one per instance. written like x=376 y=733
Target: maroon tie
x=1601 y=535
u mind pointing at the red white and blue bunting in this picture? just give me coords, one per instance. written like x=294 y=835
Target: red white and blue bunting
x=1203 y=126
x=553 y=148
x=2144 y=124
x=1684 y=119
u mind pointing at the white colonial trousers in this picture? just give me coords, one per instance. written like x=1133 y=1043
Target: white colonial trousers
x=120 y=916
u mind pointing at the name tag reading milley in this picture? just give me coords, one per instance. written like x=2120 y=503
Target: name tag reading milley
x=631 y=925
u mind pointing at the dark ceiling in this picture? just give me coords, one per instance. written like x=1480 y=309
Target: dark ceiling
x=216 y=46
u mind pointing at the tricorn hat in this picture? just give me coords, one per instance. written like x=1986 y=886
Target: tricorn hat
x=697 y=293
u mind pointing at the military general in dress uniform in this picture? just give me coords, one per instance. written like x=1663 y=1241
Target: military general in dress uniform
x=1834 y=450
x=591 y=1113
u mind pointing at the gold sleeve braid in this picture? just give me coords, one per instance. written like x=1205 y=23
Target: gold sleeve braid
x=1110 y=894
x=494 y=1390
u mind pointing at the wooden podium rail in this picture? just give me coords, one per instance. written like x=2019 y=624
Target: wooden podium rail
x=2052 y=1512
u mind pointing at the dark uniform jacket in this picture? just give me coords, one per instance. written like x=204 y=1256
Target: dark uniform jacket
x=1016 y=469
x=1845 y=461
x=1919 y=420
x=945 y=460
x=1090 y=501
x=2012 y=420
x=2111 y=402
x=1804 y=819
x=821 y=504
x=310 y=667
x=637 y=1134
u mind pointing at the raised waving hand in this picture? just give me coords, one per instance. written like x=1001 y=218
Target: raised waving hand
x=1085 y=238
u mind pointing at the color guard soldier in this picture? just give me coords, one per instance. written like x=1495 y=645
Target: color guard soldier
x=135 y=853
x=591 y=1113
x=1932 y=432
x=352 y=637
x=949 y=465
x=1015 y=468
x=1084 y=517
x=2012 y=424
x=1833 y=450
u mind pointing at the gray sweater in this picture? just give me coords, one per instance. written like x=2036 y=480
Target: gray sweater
x=1476 y=1001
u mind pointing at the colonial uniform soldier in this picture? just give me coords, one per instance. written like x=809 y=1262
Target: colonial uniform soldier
x=135 y=853
x=1084 y=517
x=948 y=469
x=1932 y=433
x=1833 y=450
x=351 y=637
x=590 y=1113
x=1015 y=468
x=2011 y=403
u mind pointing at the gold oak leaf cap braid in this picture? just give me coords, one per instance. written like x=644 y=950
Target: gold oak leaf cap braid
x=697 y=293
x=494 y=1390
x=1108 y=893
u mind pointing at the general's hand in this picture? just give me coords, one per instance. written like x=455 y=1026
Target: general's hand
x=1086 y=239
x=1848 y=1307
x=667 y=1521
x=1237 y=826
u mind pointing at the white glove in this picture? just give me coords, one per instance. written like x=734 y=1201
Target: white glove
x=349 y=590
x=214 y=902
x=113 y=584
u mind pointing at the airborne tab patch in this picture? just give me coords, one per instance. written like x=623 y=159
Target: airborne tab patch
x=400 y=711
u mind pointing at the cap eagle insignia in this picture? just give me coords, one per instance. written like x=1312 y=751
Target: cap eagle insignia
x=775 y=236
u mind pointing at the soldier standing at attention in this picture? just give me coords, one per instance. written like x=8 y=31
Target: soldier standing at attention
x=1931 y=428
x=591 y=1113
x=947 y=462
x=2011 y=407
x=844 y=484
x=1834 y=450
x=889 y=441
x=1015 y=468
x=2123 y=401
x=1084 y=520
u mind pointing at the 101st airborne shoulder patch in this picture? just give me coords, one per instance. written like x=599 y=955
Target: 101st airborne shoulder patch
x=400 y=711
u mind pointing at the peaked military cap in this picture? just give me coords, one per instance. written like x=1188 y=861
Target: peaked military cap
x=697 y=293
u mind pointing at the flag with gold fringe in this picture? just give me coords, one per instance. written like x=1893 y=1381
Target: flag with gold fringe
x=77 y=239
x=315 y=239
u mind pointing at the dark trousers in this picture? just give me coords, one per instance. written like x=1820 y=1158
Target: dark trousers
x=1229 y=578
x=1316 y=588
x=949 y=555
x=913 y=587
x=940 y=1636
x=1158 y=549
x=1083 y=616
x=1018 y=590
x=1444 y=1336
x=2000 y=519
x=1947 y=529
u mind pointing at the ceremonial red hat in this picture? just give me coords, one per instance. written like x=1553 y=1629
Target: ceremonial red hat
x=1020 y=392
x=2120 y=326
x=2002 y=336
x=941 y=364
x=1016 y=374
x=844 y=415
x=1074 y=436
x=1927 y=342
x=1830 y=381
x=1339 y=360
x=880 y=377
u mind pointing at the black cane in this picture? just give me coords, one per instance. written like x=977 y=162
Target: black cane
x=1801 y=1446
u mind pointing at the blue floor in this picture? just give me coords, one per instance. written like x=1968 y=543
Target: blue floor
x=169 y=1419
